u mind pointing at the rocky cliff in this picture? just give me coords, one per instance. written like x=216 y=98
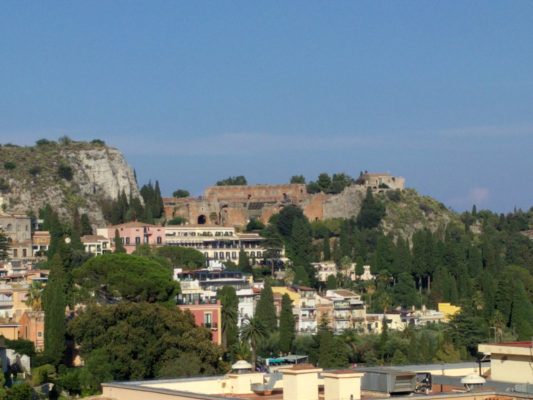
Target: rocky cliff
x=65 y=175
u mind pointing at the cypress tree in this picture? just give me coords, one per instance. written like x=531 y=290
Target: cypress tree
x=265 y=310
x=326 y=250
x=286 y=325
x=4 y=246
x=119 y=246
x=54 y=304
x=244 y=262
x=521 y=313
x=86 y=228
x=158 y=201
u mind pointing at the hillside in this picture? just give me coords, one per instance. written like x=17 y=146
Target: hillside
x=408 y=212
x=64 y=174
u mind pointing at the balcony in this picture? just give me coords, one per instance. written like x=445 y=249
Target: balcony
x=210 y=325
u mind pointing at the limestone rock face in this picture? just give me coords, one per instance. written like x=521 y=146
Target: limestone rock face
x=346 y=204
x=98 y=174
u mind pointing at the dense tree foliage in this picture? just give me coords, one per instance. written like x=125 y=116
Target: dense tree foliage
x=140 y=341
x=233 y=181
x=329 y=184
x=181 y=193
x=182 y=256
x=114 y=277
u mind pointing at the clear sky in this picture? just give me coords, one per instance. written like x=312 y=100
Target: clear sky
x=440 y=92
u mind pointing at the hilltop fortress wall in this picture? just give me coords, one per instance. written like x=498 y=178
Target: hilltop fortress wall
x=237 y=205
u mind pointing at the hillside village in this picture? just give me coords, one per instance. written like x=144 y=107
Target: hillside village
x=263 y=274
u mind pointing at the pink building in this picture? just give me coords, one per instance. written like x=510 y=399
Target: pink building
x=134 y=234
x=209 y=315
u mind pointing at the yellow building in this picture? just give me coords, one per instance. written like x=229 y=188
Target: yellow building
x=448 y=309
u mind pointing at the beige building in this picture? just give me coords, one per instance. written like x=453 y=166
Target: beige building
x=96 y=244
x=378 y=181
x=510 y=362
x=18 y=230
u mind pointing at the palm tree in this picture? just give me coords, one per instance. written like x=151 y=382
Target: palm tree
x=229 y=321
x=253 y=331
x=34 y=296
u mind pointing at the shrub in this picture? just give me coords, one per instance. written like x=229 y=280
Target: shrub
x=98 y=142
x=4 y=186
x=65 y=172
x=43 y=142
x=64 y=140
x=34 y=171
x=177 y=221
x=394 y=195
x=10 y=165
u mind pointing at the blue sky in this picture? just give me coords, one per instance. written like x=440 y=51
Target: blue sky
x=439 y=92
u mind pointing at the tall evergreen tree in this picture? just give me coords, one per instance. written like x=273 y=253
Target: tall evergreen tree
x=265 y=310
x=230 y=314
x=4 y=246
x=521 y=313
x=54 y=302
x=371 y=213
x=119 y=246
x=244 y=262
x=286 y=325
x=326 y=249
x=158 y=201
x=86 y=228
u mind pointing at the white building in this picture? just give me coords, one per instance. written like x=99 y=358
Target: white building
x=215 y=242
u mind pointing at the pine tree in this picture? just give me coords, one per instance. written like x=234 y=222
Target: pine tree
x=265 y=310
x=54 y=304
x=75 y=234
x=286 y=325
x=119 y=246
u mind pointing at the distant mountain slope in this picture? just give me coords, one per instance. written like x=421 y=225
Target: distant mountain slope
x=65 y=175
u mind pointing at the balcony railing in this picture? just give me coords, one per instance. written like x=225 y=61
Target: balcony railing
x=210 y=325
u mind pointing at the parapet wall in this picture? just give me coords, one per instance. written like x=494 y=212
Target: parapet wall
x=266 y=193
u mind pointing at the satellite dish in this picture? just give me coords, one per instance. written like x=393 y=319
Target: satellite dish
x=471 y=381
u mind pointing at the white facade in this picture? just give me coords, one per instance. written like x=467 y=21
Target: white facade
x=215 y=242
x=246 y=305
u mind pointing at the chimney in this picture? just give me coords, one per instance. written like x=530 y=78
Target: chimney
x=300 y=382
x=342 y=385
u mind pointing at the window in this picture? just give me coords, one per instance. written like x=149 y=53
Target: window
x=159 y=240
x=137 y=240
x=208 y=319
x=24 y=253
x=258 y=254
x=252 y=253
x=15 y=253
x=127 y=240
x=227 y=255
x=40 y=334
x=221 y=254
x=234 y=255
